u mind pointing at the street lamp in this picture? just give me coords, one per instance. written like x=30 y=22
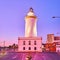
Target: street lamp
x=56 y=17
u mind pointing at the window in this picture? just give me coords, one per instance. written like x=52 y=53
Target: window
x=23 y=42
x=23 y=48
x=29 y=48
x=34 y=42
x=34 y=48
x=29 y=42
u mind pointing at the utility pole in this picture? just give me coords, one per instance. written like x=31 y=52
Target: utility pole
x=4 y=45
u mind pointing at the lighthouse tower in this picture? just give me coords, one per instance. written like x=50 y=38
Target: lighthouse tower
x=30 y=42
x=30 y=24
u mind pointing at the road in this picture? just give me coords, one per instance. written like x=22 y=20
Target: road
x=35 y=56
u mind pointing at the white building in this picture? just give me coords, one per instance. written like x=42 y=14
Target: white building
x=30 y=43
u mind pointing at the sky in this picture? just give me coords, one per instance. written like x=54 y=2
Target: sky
x=12 y=18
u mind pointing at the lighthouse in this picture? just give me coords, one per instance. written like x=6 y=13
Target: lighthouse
x=30 y=42
x=30 y=24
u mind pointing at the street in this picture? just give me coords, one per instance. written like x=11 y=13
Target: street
x=35 y=56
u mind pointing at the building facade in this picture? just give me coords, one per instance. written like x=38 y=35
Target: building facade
x=57 y=41
x=30 y=43
x=50 y=38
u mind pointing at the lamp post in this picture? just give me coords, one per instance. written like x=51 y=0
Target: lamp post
x=3 y=47
x=56 y=17
x=57 y=32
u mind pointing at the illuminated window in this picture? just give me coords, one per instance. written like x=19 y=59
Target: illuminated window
x=34 y=42
x=23 y=42
x=35 y=48
x=23 y=48
x=29 y=42
x=29 y=48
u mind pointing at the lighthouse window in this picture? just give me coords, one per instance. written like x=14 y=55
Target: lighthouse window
x=34 y=42
x=34 y=48
x=29 y=42
x=23 y=42
x=29 y=48
x=23 y=48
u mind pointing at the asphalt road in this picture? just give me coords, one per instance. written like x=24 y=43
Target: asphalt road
x=35 y=56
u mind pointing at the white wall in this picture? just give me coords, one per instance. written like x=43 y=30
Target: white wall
x=38 y=45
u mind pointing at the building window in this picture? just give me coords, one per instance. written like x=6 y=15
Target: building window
x=34 y=48
x=23 y=48
x=29 y=42
x=29 y=48
x=34 y=42
x=23 y=42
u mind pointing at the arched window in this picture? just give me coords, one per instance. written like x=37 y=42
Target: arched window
x=35 y=48
x=23 y=42
x=29 y=42
x=29 y=48
x=23 y=48
x=34 y=42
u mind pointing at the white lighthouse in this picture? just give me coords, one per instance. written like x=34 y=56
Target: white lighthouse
x=30 y=24
x=30 y=42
